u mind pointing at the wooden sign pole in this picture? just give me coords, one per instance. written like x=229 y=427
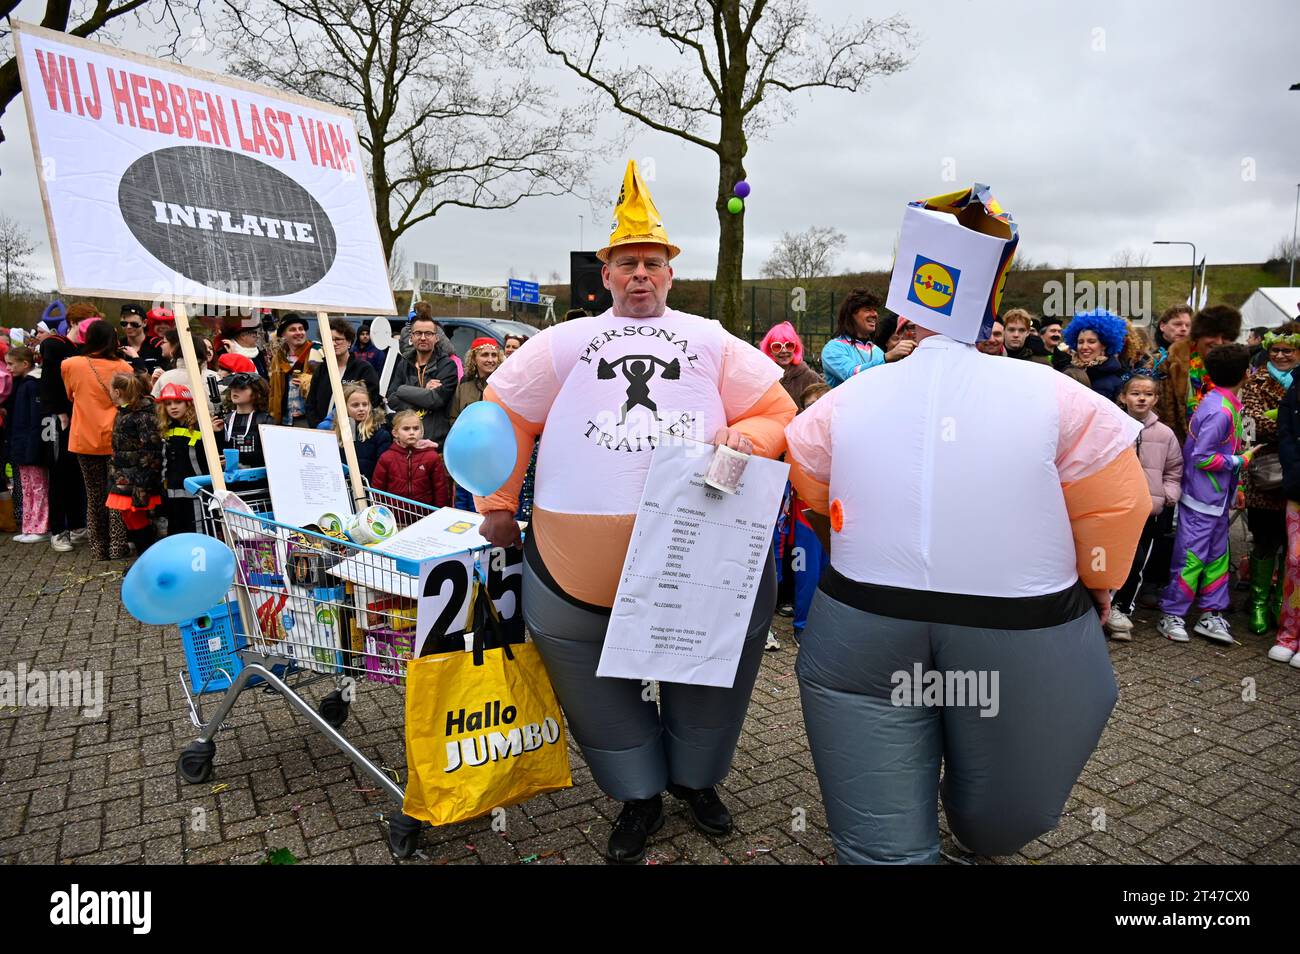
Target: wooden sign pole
x=198 y=387
x=341 y=411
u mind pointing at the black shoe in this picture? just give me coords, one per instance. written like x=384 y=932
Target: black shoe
x=786 y=609
x=710 y=815
x=636 y=822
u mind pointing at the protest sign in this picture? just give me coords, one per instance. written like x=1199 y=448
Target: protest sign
x=168 y=183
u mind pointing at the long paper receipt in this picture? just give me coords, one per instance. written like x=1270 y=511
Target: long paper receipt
x=692 y=571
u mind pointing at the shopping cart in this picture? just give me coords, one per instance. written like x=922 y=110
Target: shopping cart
x=308 y=607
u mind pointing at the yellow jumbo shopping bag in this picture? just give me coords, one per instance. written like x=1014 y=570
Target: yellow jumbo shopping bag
x=483 y=736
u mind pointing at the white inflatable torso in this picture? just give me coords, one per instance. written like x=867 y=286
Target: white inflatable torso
x=945 y=466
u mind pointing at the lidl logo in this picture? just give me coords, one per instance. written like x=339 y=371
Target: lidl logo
x=933 y=285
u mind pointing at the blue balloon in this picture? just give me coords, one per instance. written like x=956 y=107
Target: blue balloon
x=178 y=578
x=480 y=450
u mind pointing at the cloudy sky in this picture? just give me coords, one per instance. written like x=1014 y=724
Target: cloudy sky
x=1100 y=126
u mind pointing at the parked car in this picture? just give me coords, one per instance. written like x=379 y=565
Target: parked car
x=461 y=330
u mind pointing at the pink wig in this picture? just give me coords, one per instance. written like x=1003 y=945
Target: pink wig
x=782 y=332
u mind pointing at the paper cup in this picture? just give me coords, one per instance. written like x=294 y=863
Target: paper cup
x=331 y=524
x=726 y=469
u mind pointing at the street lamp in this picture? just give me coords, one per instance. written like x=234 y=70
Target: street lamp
x=580 y=245
x=1191 y=298
x=1291 y=283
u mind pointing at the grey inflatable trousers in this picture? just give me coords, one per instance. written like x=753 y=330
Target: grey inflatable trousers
x=633 y=747
x=1006 y=775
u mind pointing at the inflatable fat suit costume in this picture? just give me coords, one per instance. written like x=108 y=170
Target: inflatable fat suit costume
x=942 y=633
x=599 y=392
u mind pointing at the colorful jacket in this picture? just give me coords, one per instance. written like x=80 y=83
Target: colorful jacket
x=1261 y=396
x=1162 y=462
x=413 y=474
x=1211 y=458
x=846 y=356
x=137 y=466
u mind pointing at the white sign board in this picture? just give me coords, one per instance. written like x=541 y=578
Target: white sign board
x=692 y=571
x=170 y=184
x=305 y=474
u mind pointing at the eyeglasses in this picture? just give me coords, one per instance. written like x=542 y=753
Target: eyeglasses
x=132 y=324
x=776 y=346
x=424 y=334
x=652 y=265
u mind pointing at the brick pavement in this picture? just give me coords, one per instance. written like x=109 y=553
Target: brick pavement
x=1187 y=771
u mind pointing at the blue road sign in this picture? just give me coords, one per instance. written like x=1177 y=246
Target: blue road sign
x=530 y=293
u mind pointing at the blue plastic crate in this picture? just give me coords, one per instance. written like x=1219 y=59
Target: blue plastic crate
x=211 y=640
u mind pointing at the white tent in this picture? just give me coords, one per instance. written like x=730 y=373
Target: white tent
x=1269 y=307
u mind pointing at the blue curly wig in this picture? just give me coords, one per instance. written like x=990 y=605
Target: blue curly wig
x=1110 y=329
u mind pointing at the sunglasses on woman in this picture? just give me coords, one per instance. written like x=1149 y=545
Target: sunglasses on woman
x=776 y=346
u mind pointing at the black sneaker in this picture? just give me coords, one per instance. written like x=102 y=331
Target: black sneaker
x=710 y=815
x=636 y=822
x=786 y=609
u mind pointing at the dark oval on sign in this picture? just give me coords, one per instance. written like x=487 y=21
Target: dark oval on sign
x=219 y=217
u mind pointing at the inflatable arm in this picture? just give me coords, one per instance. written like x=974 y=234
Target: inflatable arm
x=1106 y=493
x=808 y=440
x=752 y=398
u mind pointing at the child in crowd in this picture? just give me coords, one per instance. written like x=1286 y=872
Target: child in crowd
x=1162 y=462
x=28 y=451
x=811 y=557
x=135 y=476
x=410 y=471
x=1211 y=464
x=182 y=454
x=370 y=435
x=245 y=409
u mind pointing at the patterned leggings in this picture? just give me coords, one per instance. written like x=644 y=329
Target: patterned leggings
x=1289 y=628
x=35 y=484
x=105 y=531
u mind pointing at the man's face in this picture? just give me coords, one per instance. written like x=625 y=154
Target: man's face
x=424 y=335
x=1051 y=335
x=247 y=338
x=1014 y=335
x=639 y=277
x=295 y=335
x=1177 y=328
x=864 y=321
x=133 y=325
x=1253 y=339
x=993 y=343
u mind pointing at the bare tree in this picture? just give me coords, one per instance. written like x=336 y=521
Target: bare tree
x=1285 y=249
x=81 y=18
x=16 y=247
x=1127 y=259
x=732 y=61
x=805 y=256
x=434 y=135
x=555 y=278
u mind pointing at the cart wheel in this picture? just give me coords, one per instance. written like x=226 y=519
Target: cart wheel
x=334 y=709
x=195 y=763
x=403 y=835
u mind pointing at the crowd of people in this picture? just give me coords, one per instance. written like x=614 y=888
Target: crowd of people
x=1240 y=450
x=99 y=422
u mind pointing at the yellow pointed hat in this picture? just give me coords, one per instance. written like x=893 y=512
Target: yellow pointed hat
x=636 y=219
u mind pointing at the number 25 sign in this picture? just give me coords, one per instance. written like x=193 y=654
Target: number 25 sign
x=442 y=614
